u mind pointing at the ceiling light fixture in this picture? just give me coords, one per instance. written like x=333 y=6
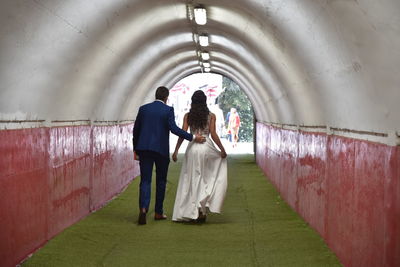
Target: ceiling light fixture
x=206 y=64
x=203 y=40
x=205 y=55
x=200 y=15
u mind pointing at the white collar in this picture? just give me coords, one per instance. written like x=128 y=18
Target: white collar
x=160 y=101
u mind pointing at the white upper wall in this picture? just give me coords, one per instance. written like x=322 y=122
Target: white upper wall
x=308 y=62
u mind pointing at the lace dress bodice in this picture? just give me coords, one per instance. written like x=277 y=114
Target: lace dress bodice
x=205 y=131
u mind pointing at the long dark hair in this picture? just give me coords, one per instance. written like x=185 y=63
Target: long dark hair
x=198 y=114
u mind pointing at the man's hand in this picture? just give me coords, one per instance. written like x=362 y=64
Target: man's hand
x=199 y=139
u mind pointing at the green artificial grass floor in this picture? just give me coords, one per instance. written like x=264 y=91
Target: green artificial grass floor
x=256 y=228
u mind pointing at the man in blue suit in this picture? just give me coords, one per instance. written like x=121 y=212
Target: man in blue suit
x=153 y=123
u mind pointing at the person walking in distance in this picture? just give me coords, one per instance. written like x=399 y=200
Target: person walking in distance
x=234 y=124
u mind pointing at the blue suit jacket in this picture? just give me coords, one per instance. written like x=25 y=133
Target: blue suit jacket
x=153 y=123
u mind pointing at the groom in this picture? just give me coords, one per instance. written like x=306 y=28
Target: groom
x=153 y=123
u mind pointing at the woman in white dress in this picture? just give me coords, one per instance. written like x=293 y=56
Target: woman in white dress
x=203 y=179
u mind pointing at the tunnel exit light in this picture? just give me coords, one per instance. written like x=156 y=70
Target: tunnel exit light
x=203 y=40
x=200 y=15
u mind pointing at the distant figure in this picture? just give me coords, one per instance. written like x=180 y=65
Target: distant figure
x=228 y=132
x=153 y=123
x=234 y=125
x=227 y=117
x=203 y=178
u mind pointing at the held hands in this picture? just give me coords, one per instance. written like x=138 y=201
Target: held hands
x=199 y=139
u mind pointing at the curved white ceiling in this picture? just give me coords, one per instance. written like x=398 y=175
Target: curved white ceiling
x=300 y=61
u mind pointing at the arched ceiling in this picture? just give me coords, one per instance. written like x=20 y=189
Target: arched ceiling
x=300 y=61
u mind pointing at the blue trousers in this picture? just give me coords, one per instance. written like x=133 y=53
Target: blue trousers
x=146 y=161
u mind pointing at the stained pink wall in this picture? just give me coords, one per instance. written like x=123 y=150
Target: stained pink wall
x=52 y=177
x=346 y=189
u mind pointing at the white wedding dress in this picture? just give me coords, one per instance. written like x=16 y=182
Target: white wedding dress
x=203 y=180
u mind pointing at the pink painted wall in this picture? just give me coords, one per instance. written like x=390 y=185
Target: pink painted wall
x=348 y=190
x=50 y=178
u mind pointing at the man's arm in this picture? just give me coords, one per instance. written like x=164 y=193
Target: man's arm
x=175 y=129
x=180 y=140
x=136 y=128
x=181 y=133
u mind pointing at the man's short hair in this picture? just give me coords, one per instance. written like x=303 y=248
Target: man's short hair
x=162 y=93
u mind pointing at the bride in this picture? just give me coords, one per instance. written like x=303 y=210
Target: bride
x=203 y=178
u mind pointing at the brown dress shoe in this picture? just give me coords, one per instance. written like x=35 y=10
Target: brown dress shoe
x=159 y=217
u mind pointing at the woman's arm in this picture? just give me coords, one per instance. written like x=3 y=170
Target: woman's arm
x=180 y=140
x=215 y=137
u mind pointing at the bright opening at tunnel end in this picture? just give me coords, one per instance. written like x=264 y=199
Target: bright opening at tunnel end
x=223 y=97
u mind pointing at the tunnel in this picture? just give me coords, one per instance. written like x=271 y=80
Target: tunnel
x=322 y=76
